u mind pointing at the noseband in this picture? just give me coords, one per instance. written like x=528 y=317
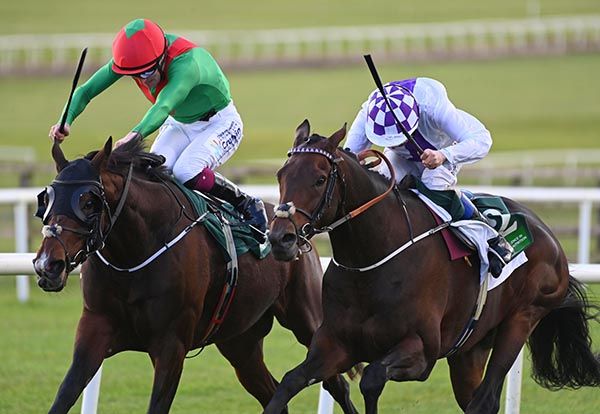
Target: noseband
x=94 y=235
x=308 y=230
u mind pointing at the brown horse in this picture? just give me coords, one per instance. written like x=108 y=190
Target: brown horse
x=404 y=315
x=124 y=205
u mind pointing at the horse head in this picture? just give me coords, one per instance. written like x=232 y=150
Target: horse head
x=307 y=185
x=73 y=209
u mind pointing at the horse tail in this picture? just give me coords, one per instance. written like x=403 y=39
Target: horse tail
x=560 y=345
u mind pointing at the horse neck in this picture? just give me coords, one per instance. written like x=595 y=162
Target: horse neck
x=373 y=233
x=144 y=223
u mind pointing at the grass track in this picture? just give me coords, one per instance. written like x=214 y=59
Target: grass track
x=35 y=359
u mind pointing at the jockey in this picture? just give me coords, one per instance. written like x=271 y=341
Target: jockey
x=449 y=137
x=200 y=127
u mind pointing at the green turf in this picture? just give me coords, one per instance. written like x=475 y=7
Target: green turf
x=36 y=345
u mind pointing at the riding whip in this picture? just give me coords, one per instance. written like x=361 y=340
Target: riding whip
x=377 y=80
x=75 y=80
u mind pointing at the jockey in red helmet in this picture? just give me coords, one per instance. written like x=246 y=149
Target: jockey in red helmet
x=200 y=127
x=138 y=48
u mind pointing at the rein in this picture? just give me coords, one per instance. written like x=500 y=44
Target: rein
x=156 y=254
x=395 y=252
x=287 y=210
x=166 y=246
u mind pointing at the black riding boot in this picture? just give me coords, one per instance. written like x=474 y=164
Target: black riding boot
x=251 y=208
x=499 y=254
x=500 y=251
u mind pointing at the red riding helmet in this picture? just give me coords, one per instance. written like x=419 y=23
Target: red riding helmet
x=138 y=47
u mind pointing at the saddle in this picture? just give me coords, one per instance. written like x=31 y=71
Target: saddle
x=221 y=215
x=510 y=225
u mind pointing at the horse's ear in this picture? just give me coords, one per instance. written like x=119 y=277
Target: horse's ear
x=302 y=132
x=101 y=156
x=58 y=156
x=338 y=136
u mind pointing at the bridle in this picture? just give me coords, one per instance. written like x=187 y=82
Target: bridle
x=308 y=230
x=95 y=236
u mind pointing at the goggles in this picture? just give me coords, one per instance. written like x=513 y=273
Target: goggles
x=146 y=74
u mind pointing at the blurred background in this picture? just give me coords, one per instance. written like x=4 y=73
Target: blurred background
x=527 y=68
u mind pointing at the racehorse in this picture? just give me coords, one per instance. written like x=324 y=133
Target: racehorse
x=403 y=314
x=124 y=205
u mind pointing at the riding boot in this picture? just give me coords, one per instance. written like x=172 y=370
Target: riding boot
x=500 y=251
x=251 y=208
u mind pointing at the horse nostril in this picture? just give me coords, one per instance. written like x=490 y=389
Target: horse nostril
x=288 y=239
x=55 y=268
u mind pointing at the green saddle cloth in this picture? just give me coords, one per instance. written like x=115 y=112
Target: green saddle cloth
x=512 y=226
x=244 y=240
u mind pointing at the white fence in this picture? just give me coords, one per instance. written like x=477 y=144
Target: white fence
x=32 y=53
x=20 y=198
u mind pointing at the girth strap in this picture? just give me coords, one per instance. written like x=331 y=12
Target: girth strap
x=470 y=326
x=228 y=292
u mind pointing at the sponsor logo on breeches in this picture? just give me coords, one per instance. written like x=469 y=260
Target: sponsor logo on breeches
x=229 y=137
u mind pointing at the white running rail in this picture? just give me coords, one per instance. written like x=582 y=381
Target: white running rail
x=47 y=53
x=21 y=198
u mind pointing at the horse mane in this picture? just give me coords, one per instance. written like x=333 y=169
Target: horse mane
x=149 y=164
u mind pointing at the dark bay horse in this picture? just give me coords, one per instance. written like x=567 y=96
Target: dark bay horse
x=404 y=315
x=123 y=204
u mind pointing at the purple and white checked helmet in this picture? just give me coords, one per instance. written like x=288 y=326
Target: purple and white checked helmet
x=381 y=128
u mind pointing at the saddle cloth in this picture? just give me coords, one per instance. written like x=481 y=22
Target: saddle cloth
x=478 y=233
x=244 y=240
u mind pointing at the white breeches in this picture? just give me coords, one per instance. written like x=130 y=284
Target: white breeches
x=189 y=148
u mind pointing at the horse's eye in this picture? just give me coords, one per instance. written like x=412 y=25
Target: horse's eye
x=322 y=180
x=89 y=204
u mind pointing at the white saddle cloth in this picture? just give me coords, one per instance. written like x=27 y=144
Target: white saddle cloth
x=478 y=233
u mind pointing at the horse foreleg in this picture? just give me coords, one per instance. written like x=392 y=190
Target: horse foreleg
x=167 y=357
x=510 y=338
x=406 y=362
x=302 y=318
x=94 y=334
x=325 y=359
x=466 y=372
x=245 y=353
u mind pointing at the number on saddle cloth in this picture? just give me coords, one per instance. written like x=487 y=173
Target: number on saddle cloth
x=512 y=226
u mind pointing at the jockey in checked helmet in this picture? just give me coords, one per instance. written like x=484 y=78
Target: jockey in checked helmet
x=200 y=127
x=449 y=137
